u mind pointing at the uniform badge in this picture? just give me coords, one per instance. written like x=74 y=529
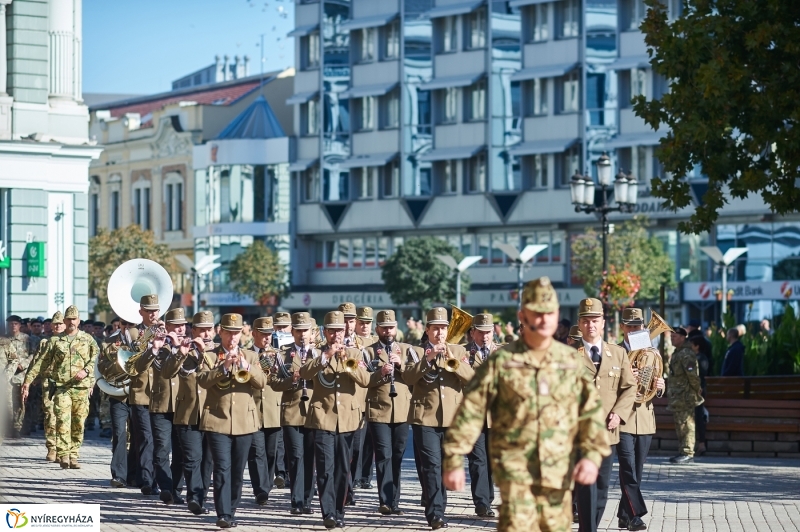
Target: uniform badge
x=465 y=360
x=544 y=389
x=378 y=351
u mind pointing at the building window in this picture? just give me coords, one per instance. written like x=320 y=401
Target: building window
x=114 y=211
x=335 y=185
x=94 y=212
x=363 y=179
x=638 y=82
x=141 y=204
x=447 y=177
x=390 y=110
x=537 y=97
x=569 y=23
x=448 y=105
x=310 y=184
x=476 y=102
x=570 y=92
x=391 y=46
x=476 y=29
x=390 y=180
x=365 y=113
x=366 y=44
x=569 y=163
x=633 y=12
x=173 y=201
x=536 y=170
x=475 y=178
x=309 y=46
x=449 y=34
x=309 y=115
x=536 y=26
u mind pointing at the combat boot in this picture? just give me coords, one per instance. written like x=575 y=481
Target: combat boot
x=64 y=462
x=51 y=456
x=73 y=462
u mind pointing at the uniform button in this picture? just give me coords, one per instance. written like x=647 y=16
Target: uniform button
x=338 y=385
x=337 y=376
x=338 y=403
x=338 y=394
x=440 y=370
x=233 y=402
x=610 y=373
x=441 y=378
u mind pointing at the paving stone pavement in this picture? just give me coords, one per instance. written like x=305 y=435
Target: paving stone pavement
x=715 y=494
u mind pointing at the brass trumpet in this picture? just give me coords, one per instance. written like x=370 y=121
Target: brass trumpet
x=452 y=365
x=241 y=375
x=350 y=365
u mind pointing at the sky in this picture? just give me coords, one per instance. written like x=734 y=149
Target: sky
x=141 y=46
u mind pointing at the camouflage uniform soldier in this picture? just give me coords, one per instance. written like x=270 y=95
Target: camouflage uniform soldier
x=71 y=357
x=33 y=406
x=57 y=325
x=8 y=358
x=540 y=403
x=683 y=394
x=21 y=343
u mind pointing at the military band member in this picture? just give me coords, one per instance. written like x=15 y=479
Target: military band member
x=361 y=464
x=575 y=338
x=634 y=440
x=436 y=396
x=163 y=400
x=684 y=394
x=194 y=444
x=295 y=401
x=229 y=416
x=540 y=405
x=21 y=343
x=481 y=345
x=282 y=323
x=335 y=414
x=71 y=358
x=263 y=454
x=609 y=369
x=388 y=415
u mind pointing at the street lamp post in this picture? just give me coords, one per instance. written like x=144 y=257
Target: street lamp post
x=459 y=268
x=520 y=258
x=723 y=262
x=197 y=269
x=626 y=190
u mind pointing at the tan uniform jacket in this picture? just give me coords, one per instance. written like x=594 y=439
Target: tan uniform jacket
x=139 y=387
x=231 y=410
x=614 y=382
x=268 y=401
x=293 y=409
x=380 y=407
x=163 y=386
x=107 y=360
x=437 y=392
x=642 y=419
x=191 y=397
x=336 y=405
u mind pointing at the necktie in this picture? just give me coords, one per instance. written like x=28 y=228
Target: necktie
x=596 y=357
x=485 y=352
x=302 y=355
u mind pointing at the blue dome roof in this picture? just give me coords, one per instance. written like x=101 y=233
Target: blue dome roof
x=258 y=121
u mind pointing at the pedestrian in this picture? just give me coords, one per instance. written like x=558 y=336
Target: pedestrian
x=683 y=395
x=733 y=363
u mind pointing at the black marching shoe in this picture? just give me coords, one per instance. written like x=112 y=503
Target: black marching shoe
x=575 y=517
x=340 y=523
x=438 y=523
x=262 y=499
x=279 y=482
x=385 y=510
x=636 y=524
x=484 y=511
x=681 y=459
x=226 y=521
x=308 y=510
x=176 y=497
x=117 y=483
x=166 y=497
x=297 y=511
x=329 y=522
x=195 y=507
x=147 y=490
x=397 y=511
x=622 y=523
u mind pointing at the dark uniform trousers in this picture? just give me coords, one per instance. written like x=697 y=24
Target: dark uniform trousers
x=333 y=451
x=165 y=440
x=631 y=453
x=367 y=456
x=262 y=460
x=230 y=457
x=282 y=464
x=119 y=438
x=480 y=473
x=429 y=442
x=363 y=450
x=197 y=462
x=300 y=451
x=700 y=423
x=389 y=441
x=143 y=438
x=592 y=499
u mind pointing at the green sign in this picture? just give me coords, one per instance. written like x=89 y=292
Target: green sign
x=34 y=257
x=5 y=260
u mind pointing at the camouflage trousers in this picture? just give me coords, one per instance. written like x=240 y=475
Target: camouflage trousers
x=49 y=416
x=103 y=410
x=684 y=427
x=71 y=406
x=527 y=508
x=17 y=406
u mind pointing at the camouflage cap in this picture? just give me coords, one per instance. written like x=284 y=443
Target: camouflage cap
x=334 y=320
x=348 y=309
x=590 y=307
x=632 y=316
x=386 y=319
x=364 y=314
x=540 y=296
x=263 y=325
x=282 y=319
x=231 y=322
x=437 y=316
x=204 y=318
x=149 y=302
x=301 y=321
x=483 y=322
x=58 y=318
x=175 y=316
x=71 y=312
x=575 y=333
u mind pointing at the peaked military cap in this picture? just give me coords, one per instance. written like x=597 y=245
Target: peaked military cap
x=590 y=307
x=437 y=316
x=204 y=318
x=282 y=319
x=301 y=320
x=632 y=316
x=364 y=314
x=334 y=320
x=57 y=318
x=263 y=325
x=149 y=302
x=348 y=309
x=71 y=312
x=231 y=322
x=575 y=333
x=14 y=317
x=540 y=296
x=386 y=319
x=483 y=322
x=175 y=316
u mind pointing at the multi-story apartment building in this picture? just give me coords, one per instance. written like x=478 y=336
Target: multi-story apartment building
x=467 y=120
x=44 y=159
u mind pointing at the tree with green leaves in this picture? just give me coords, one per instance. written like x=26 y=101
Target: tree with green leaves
x=732 y=106
x=109 y=249
x=413 y=274
x=258 y=272
x=631 y=248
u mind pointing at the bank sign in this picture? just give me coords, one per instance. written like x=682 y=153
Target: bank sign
x=744 y=291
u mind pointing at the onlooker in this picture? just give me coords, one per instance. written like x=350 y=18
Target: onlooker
x=697 y=344
x=499 y=335
x=766 y=330
x=413 y=335
x=733 y=364
x=574 y=337
x=695 y=331
x=510 y=332
x=562 y=332
x=742 y=328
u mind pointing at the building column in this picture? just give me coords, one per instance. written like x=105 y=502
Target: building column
x=61 y=20
x=5 y=99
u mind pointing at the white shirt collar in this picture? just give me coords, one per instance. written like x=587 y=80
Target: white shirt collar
x=588 y=347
